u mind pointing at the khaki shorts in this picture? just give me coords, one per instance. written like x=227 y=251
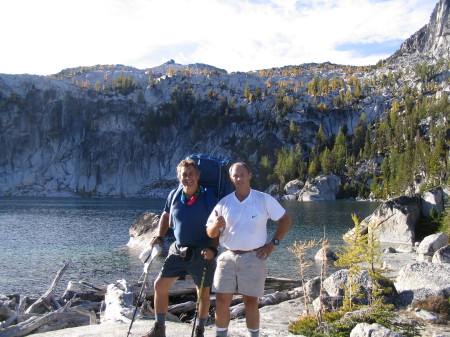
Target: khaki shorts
x=240 y=273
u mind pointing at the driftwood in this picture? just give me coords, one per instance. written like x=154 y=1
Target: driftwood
x=237 y=308
x=182 y=307
x=16 y=316
x=61 y=318
x=84 y=283
x=119 y=303
x=43 y=304
x=92 y=315
x=270 y=299
x=46 y=313
x=78 y=289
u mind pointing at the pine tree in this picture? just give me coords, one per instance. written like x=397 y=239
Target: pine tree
x=320 y=140
x=350 y=257
x=314 y=165
x=327 y=161
x=286 y=166
x=340 y=151
x=372 y=256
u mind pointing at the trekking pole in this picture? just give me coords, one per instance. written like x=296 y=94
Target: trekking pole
x=156 y=249
x=200 y=290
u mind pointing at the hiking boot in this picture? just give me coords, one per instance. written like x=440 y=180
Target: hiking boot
x=199 y=330
x=158 y=330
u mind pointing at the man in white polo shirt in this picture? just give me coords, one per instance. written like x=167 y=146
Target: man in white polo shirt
x=240 y=221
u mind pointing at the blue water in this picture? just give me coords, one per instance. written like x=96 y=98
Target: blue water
x=37 y=235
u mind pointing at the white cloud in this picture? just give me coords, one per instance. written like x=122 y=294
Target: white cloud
x=48 y=35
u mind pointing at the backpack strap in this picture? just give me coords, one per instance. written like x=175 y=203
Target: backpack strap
x=173 y=195
x=211 y=199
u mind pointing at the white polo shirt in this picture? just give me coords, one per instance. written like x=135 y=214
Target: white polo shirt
x=246 y=221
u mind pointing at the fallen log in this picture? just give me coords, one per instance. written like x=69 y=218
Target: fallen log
x=86 y=284
x=78 y=289
x=269 y=299
x=43 y=304
x=92 y=315
x=59 y=319
x=16 y=316
x=182 y=307
x=119 y=303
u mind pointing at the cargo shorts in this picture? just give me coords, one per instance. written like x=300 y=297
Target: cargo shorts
x=240 y=273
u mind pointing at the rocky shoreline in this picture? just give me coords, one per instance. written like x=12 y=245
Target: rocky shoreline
x=417 y=270
x=274 y=318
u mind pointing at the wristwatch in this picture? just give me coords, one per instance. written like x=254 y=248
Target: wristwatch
x=276 y=242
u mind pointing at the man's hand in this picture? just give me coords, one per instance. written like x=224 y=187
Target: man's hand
x=220 y=222
x=217 y=227
x=157 y=240
x=208 y=254
x=264 y=251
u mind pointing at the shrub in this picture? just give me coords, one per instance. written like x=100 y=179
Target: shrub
x=437 y=304
x=306 y=325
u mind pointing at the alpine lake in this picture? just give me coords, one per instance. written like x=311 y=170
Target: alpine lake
x=39 y=234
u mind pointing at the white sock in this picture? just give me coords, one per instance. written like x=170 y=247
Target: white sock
x=221 y=332
x=253 y=332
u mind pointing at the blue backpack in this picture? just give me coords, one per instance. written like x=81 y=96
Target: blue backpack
x=214 y=177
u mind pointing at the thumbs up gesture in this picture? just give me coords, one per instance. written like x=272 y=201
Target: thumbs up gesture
x=220 y=221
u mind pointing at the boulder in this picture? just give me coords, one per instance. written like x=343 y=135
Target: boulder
x=446 y=193
x=432 y=243
x=330 y=303
x=338 y=281
x=426 y=315
x=422 y=275
x=373 y=330
x=142 y=230
x=321 y=188
x=289 y=197
x=406 y=298
x=327 y=255
x=433 y=198
x=442 y=255
x=272 y=189
x=294 y=187
x=335 y=284
x=332 y=284
x=395 y=220
x=312 y=288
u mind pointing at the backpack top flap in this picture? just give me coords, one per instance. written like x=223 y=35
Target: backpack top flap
x=214 y=173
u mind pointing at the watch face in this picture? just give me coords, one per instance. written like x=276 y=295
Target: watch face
x=275 y=242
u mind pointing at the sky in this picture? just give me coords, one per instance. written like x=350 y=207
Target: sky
x=42 y=37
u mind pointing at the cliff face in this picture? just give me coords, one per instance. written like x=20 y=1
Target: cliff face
x=432 y=42
x=120 y=131
x=434 y=38
x=59 y=139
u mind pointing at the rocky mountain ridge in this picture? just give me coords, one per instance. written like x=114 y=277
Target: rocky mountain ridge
x=113 y=130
